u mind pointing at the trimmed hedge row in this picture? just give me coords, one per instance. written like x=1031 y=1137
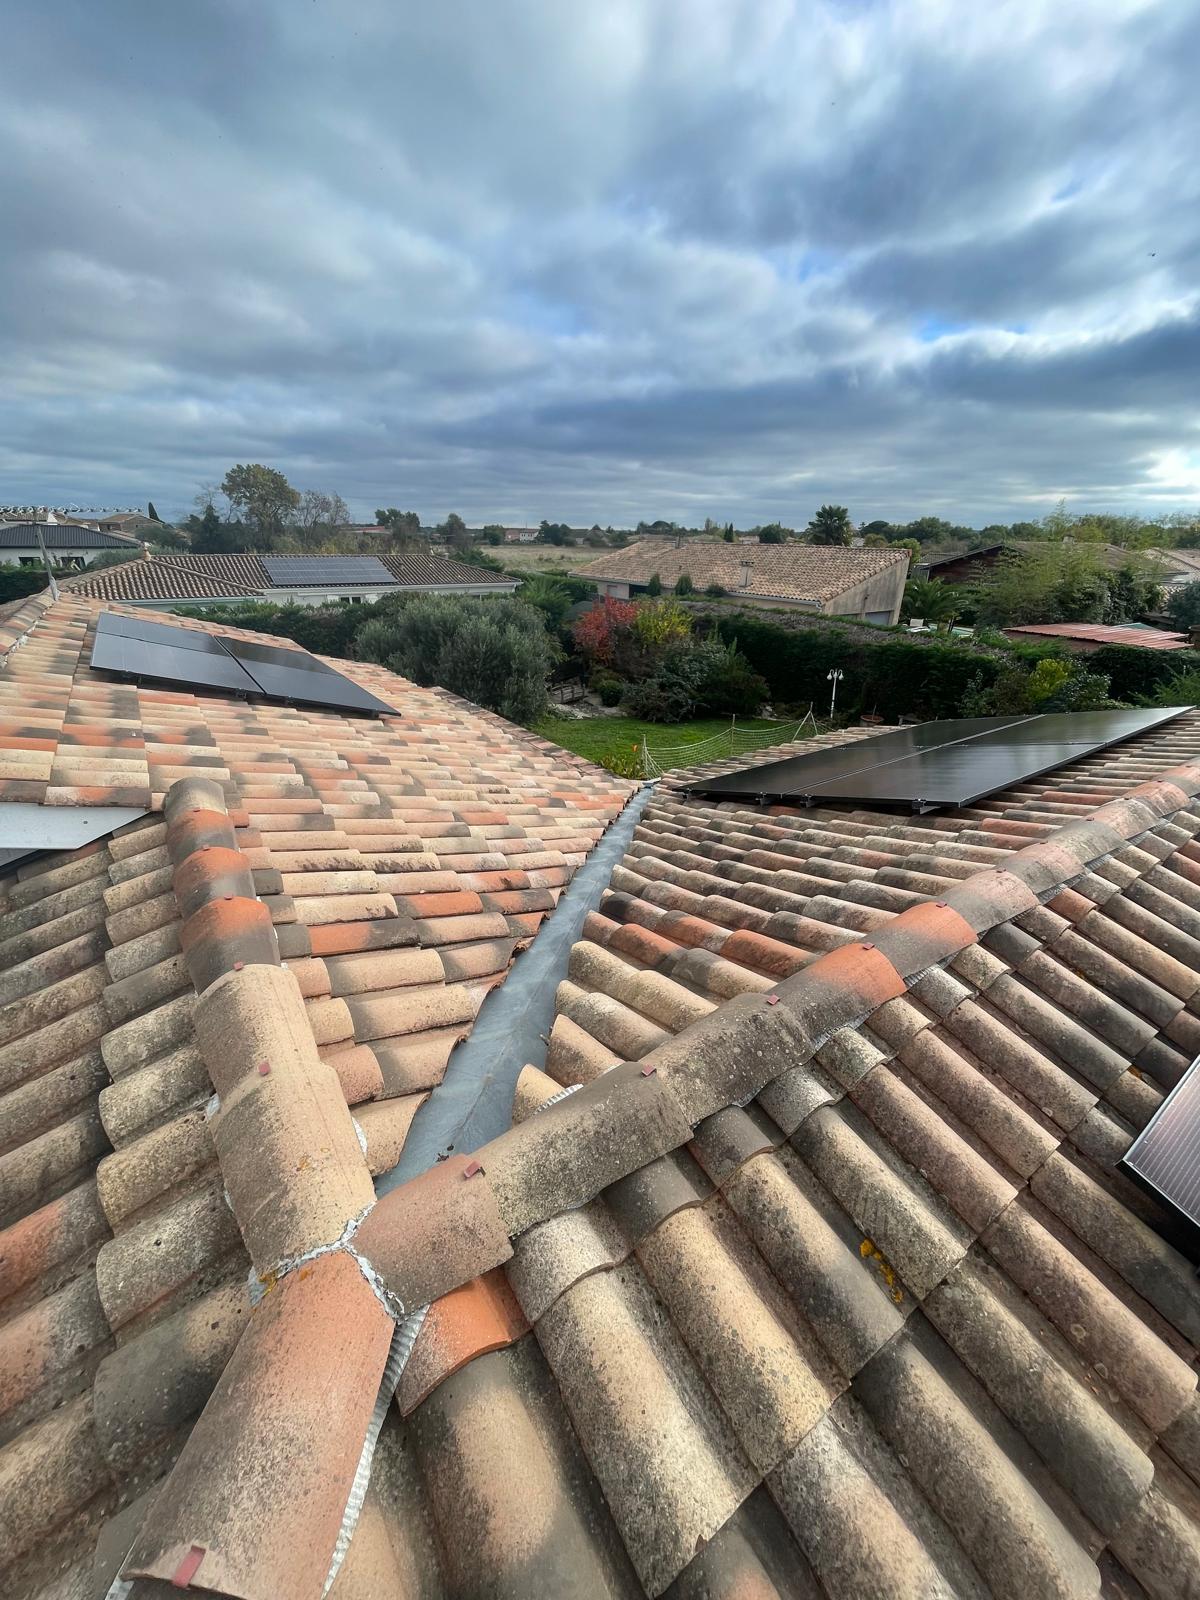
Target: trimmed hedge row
x=892 y=678
x=896 y=677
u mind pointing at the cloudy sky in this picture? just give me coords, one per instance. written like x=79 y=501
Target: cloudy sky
x=605 y=259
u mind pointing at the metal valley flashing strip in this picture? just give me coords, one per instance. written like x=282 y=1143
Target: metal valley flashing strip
x=473 y=1102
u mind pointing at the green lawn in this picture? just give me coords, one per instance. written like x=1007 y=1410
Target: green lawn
x=597 y=737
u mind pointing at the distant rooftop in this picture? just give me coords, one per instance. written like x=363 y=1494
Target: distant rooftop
x=776 y=571
x=1098 y=633
x=176 y=576
x=62 y=536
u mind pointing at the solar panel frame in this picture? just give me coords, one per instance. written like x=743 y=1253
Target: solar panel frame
x=1165 y=1156
x=309 y=572
x=961 y=768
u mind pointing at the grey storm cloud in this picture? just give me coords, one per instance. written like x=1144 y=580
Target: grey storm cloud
x=611 y=260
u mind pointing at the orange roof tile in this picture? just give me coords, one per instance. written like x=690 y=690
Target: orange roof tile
x=837 y=1259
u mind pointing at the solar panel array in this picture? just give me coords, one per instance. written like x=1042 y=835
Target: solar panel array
x=291 y=572
x=139 y=649
x=951 y=763
x=1166 y=1154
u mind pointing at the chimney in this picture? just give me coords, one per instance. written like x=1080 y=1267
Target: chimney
x=746 y=567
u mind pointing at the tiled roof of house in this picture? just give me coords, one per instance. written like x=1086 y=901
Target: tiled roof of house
x=1103 y=633
x=396 y=865
x=821 y=1279
x=62 y=536
x=178 y=576
x=778 y=571
x=1183 y=562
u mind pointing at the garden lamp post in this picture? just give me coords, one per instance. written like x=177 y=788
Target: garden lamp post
x=834 y=676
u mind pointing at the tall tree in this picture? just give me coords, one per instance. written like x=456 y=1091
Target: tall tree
x=320 y=516
x=209 y=535
x=728 y=534
x=403 y=524
x=264 y=497
x=831 y=525
x=455 y=532
x=772 y=533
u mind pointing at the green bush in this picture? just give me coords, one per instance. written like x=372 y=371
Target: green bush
x=18 y=582
x=1136 y=674
x=1051 y=684
x=684 y=584
x=608 y=687
x=623 y=763
x=899 y=677
x=1181 y=691
x=325 y=630
x=691 y=680
x=493 y=651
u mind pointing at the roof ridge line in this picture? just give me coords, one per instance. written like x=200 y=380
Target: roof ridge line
x=297 y=1181
x=10 y=636
x=167 y=560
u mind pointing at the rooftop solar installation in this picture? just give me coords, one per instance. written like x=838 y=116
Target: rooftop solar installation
x=295 y=675
x=313 y=571
x=951 y=763
x=176 y=655
x=1166 y=1154
x=135 y=648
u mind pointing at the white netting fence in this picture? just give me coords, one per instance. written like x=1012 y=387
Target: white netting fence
x=731 y=741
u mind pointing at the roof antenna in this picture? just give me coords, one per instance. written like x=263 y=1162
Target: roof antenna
x=37 y=528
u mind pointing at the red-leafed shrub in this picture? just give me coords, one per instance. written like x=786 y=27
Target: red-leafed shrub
x=598 y=632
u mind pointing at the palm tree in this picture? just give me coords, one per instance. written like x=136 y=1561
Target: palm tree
x=831 y=525
x=930 y=599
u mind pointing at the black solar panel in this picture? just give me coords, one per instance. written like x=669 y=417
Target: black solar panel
x=176 y=638
x=176 y=655
x=189 y=657
x=951 y=763
x=1166 y=1154
x=309 y=571
x=295 y=675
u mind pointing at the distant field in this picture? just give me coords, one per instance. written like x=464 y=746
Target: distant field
x=544 y=557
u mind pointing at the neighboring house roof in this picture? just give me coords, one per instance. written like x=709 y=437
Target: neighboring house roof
x=177 y=576
x=1114 y=556
x=1103 y=633
x=821 y=1280
x=62 y=536
x=777 y=571
x=1181 y=566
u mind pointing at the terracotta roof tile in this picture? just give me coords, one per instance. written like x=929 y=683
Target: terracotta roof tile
x=788 y=571
x=894 y=1275
x=121 y=1231
x=1009 y=1316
